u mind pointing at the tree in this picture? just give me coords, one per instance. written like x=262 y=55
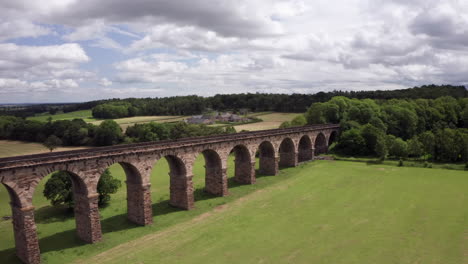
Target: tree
x=351 y=142
x=285 y=124
x=398 y=148
x=108 y=133
x=299 y=121
x=427 y=140
x=59 y=189
x=371 y=136
x=415 y=148
x=52 y=142
x=107 y=185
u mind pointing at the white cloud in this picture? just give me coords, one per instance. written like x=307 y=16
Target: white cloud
x=105 y=82
x=206 y=47
x=20 y=29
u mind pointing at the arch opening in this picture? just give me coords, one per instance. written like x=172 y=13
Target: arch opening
x=215 y=176
x=244 y=168
x=268 y=164
x=332 y=138
x=320 y=144
x=305 y=149
x=288 y=154
x=180 y=184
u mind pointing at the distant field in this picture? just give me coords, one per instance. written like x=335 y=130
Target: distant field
x=270 y=121
x=320 y=212
x=129 y=121
x=15 y=148
x=86 y=115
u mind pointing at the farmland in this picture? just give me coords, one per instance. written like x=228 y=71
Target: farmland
x=270 y=120
x=318 y=212
x=16 y=148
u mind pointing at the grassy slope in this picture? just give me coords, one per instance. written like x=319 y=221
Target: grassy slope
x=320 y=212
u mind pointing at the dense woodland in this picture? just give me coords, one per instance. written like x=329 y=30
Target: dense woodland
x=434 y=129
x=192 y=105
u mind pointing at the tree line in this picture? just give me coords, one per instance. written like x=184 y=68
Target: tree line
x=77 y=132
x=434 y=129
x=192 y=105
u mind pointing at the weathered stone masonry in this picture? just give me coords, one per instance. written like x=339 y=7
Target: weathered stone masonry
x=276 y=148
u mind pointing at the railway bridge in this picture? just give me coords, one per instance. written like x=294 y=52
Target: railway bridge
x=274 y=148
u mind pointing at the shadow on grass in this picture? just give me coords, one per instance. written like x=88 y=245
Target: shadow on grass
x=51 y=214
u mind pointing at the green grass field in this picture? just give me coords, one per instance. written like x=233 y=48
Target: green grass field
x=86 y=115
x=319 y=212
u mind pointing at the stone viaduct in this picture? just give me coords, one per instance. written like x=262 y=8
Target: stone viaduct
x=275 y=148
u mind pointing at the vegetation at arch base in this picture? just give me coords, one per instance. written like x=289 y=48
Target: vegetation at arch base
x=429 y=129
x=59 y=190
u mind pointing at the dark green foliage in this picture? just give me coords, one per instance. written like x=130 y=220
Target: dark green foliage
x=429 y=128
x=107 y=185
x=52 y=142
x=108 y=133
x=351 y=142
x=400 y=163
x=285 y=124
x=157 y=131
x=299 y=121
x=398 y=148
x=59 y=189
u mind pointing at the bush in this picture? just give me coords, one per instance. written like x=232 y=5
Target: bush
x=466 y=166
x=400 y=163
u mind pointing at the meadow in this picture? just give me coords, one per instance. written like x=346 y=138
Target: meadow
x=318 y=212
x=270 y=120
x=86 y=115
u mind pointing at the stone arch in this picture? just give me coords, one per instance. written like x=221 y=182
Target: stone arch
x=305 y=149
x=267 y=159
x=320 y=144
x=14 y=197
x=215 y=174
x=139 y=205
x=244 y=170
x=287 y=153
x=181 y=185
x=24 y=227
x=332 y=137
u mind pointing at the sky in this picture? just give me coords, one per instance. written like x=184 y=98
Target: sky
x=81 y=50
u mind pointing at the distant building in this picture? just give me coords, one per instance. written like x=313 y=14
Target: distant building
x=200 y=119
x=219 y=117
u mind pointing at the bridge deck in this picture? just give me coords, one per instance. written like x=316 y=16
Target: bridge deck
x=9 y=162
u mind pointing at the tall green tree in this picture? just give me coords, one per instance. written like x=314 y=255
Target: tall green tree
x=108 y=133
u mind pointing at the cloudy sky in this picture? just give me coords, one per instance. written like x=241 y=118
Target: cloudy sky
x=78 y=50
